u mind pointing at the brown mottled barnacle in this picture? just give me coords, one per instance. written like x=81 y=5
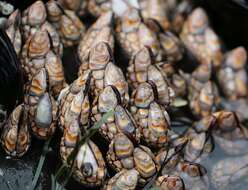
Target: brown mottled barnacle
x=78 y=6
x=171 y=48
x=69 y=26
x=232 y=75
x=15 y=137
x=141 y=69
x=205 y=102
x=193 y=175
x=203 y=94
x=152 y=118
x=97 y=7
x=191 y=169
x=100 y=31
x=169 y=182
x=37 y=54
x=74 y=102
x=199 y=145
x=57 y=45
x=170 y=155
x=121 y=121
x=133 y=34
x=230 y=134
x=206 y=124
x=123 y=154
x=89 y=167
x=41 y=106
x=200 y=141
x=125 y=179
x=200 y=39
x=32 y=18
x=155 y=9
x=104 y=71
x=13 y=30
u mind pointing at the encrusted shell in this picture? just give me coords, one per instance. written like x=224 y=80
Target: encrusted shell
x=96 y=7
x=78 y=6
x=32 y=18
x=15 y=137
x=229 y=134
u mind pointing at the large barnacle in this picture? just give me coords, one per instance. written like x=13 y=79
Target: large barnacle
x=37 y=54
x=100 y=31
x=142 y=69
x=41 y=106
x=123 y=154
x=66 y=22
x=232 y=75
x=104 y=71
x=200 y=39
x=121 y=121
x=151 y=117
x=89 y=167
x=15 y=137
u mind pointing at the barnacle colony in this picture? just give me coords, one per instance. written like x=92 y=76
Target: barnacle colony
x=131 y=60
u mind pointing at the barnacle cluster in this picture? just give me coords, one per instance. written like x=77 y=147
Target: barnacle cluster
x=131 y=61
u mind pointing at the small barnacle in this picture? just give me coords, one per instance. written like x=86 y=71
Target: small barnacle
x=229 y=133
x=169 y=182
